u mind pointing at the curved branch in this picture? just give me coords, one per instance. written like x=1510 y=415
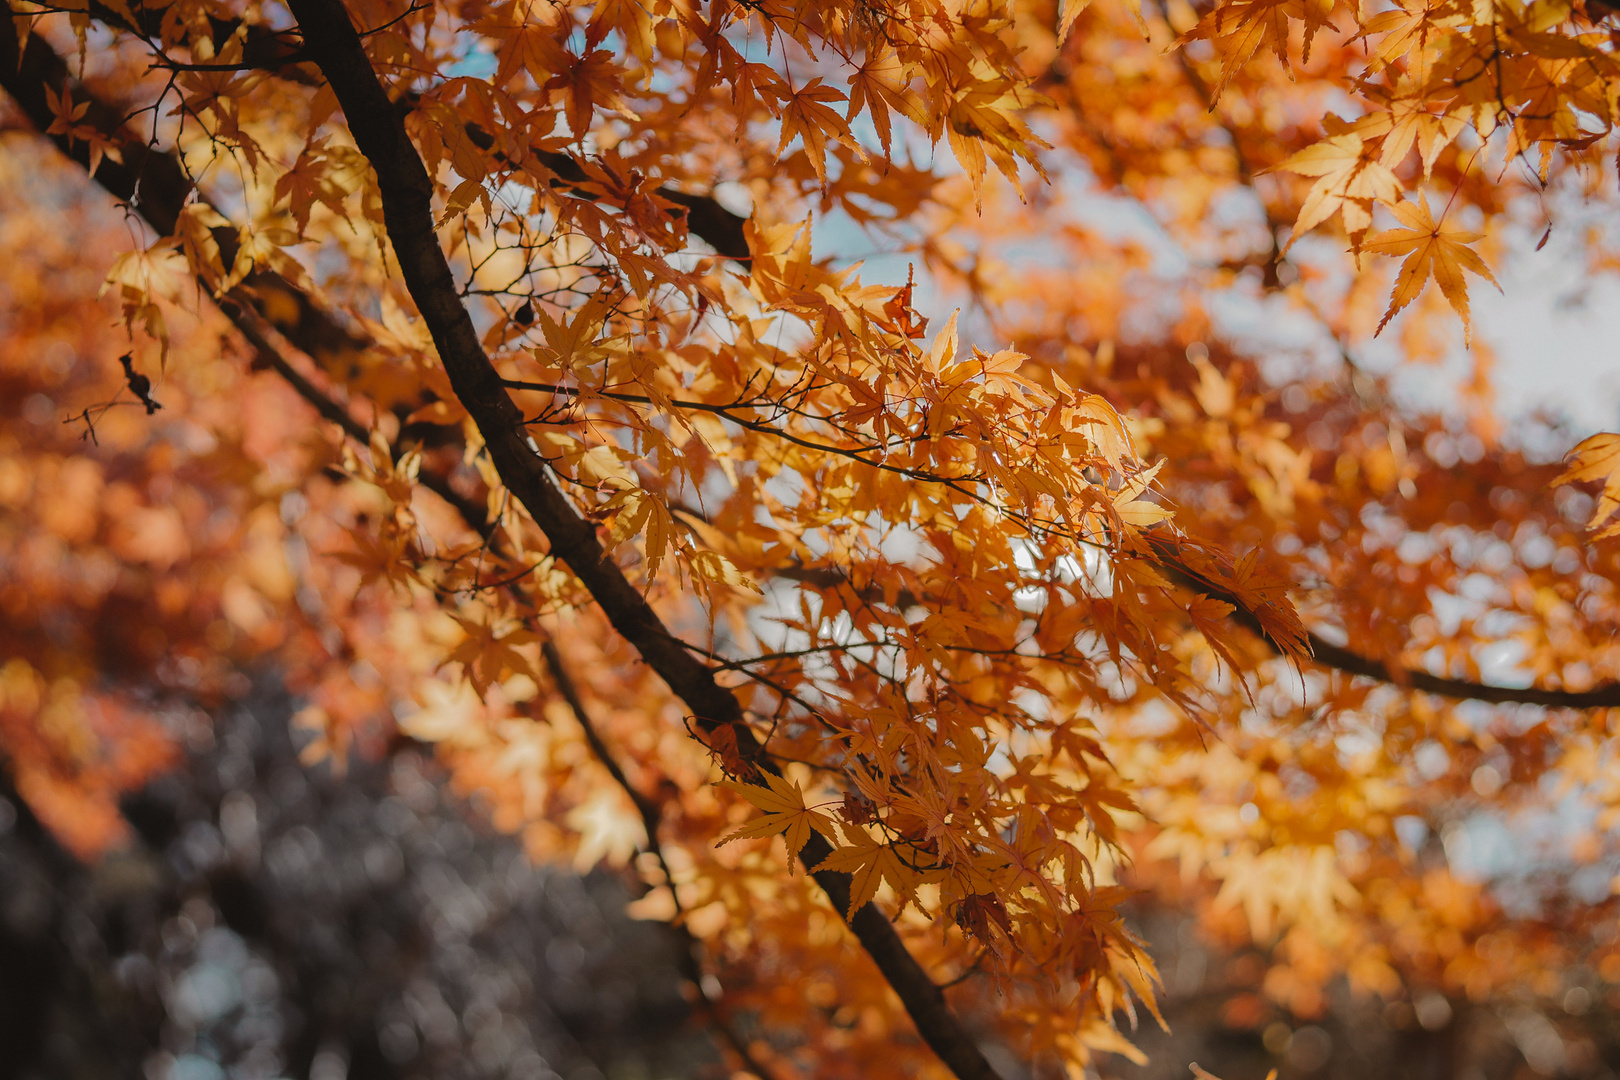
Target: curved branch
x=407 y=198
x=474 y=514
x=1323 y=653
x=1342 y=659
x=691 y=965
x=156 y=187
x=1326 y=654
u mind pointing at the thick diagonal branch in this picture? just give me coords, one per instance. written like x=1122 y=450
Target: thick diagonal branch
x=473 y=513
x=407 y=198
x=156 y=186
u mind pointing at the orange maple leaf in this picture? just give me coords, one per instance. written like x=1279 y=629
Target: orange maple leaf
x=1430 y=248
x=785 y=812
x=808 y=115
x=1350 y=181
x=1597 y=458
x=868 y=862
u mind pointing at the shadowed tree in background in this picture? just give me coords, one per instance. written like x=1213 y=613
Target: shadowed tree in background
x=264 y=921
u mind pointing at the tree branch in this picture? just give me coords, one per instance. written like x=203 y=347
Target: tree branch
x=1323 y=653
x=407 y=198
x=1337 y=657
x=651 y=815
x=473 y=513
x=705 y=217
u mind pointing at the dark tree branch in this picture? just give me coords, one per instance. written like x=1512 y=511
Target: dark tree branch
x=1323 y=653
x=718 y=227
x=407 y=197
x=691 y=963
x=1339 y=658
x=1342 y=659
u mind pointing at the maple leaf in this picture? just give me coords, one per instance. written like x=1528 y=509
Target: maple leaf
x=576 y=344
x=195 y=225
x=144 y=279
x=979 y=912
x=713 y=566
x=806 y=114
x=878 y=85
x=486 y=654
x=1208 y=614
x=1134 y=510
x=381 y=557
x=1243 y=27
x=782 y=801
x=1350 y=181
x=1070 y=11
x=1434 y=249
x=723 y=744
x=590 y=81
x=1412 y=124
x=636 y=510
x=869 y=862
x=67 y=113
x=983 y=120
x=1405 y=32
x=323 y=175
x=1597 y=458
x=261 y=247
x=857 y=809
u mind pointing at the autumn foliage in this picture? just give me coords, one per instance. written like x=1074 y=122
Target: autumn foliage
x=500 y=376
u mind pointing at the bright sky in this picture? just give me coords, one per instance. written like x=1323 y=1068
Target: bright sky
x=1557 y=342
x=1556 y=336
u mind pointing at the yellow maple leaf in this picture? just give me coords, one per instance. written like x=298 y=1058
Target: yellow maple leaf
x=869 y=862
x=1350 y=181
x=1136 y=511
x=1070 y=11
x=486 y=655
x=1244 y=27
x=713 y=566
x=1413 y=125
x=1597 y=458
x=785 y=812
x=636 y=510
x=808 y=114
x=1430 y=248
x=576 y=344
x=880 y=84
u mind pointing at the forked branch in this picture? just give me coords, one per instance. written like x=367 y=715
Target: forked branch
x=407 y=199
x=163 y=187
